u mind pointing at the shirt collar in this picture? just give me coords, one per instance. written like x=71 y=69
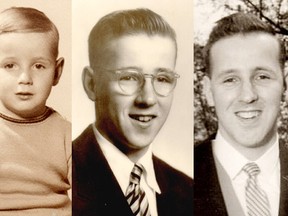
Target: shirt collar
x=268 y=161
x=122 y=166
x=233 y=162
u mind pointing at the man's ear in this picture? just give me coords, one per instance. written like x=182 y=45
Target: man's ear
x=88 y=82
x=58 y=70
x=286 y=83
x=207 y=90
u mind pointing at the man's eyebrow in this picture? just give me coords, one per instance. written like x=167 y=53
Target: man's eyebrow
x=130 y=68
x=164 y=69
x=224 y=73
x=228 y=72
x=160 y=69
x=264 y=69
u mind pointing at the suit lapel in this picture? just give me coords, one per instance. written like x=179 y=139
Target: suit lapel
x=283 y=209
x=214 y=189
x=163 y=201
x=176 y=190
x=96 y=184
x=208 y=196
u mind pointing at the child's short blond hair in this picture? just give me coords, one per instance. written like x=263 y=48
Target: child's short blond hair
x=22 y=20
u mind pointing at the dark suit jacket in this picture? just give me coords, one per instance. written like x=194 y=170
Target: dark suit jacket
x=96 y=191
x=208 y=199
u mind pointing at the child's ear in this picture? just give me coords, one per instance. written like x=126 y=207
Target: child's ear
x=89 y=83
x=58 y=70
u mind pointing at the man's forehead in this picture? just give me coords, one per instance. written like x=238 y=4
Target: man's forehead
x=139 y=37
x=242 y=39
x=260 y=35
x=137 y=44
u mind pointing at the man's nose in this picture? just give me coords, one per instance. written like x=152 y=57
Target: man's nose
x=146 y=96
x=248 y=92
x=25 y=77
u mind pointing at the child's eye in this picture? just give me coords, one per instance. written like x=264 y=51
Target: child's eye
x=10 y=66
x=39 y=66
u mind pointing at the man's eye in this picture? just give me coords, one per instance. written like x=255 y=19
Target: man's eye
x=230 y=80
x=263 y=77
x=129 y=77
x=164 y=79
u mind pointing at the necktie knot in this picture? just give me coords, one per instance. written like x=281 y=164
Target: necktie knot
x=136 y=174
x=251 y=169
x=257 y=202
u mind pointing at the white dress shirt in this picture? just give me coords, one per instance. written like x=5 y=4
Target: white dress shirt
x=268 y=179
x=122 y=166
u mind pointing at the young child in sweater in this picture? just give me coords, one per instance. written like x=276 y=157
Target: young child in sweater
x=35 y=141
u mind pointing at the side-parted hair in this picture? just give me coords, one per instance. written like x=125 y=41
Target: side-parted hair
x=27 y=20
x=126 y=22
x=239 y=23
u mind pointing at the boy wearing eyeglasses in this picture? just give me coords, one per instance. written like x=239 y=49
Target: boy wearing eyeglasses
x=131 y=79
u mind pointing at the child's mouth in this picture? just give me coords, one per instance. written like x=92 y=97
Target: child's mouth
x=24 y=95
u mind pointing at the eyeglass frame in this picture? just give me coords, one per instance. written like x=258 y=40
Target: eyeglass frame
x=143 y=75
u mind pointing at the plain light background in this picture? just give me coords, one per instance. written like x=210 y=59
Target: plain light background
x=174 y=143
x=59 y=12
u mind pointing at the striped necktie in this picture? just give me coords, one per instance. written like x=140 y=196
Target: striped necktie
x=256 y=199
x=135 y=196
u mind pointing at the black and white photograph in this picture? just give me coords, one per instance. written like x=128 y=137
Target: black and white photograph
x=240 y=113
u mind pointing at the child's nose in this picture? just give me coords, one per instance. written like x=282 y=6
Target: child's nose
x=25 y=78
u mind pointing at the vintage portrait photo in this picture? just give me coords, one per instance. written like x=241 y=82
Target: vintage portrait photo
x=132 y=108
x=240 y=108
x=35 y=108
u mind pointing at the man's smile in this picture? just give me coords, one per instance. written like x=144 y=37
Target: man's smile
x=248 y=114
x=142 y=118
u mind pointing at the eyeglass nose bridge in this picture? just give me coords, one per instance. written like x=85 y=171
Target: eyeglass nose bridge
x=152 y=76
x=143 y=81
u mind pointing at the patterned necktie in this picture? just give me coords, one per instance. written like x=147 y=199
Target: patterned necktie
x=135 y=196
x=256 y=199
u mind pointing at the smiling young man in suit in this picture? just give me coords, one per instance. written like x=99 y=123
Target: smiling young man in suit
x=131 y=79
x=243 y=169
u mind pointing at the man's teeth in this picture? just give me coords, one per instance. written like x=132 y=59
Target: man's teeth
x=143 y=118
x=248 y=114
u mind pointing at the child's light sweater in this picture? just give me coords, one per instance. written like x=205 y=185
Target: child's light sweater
x=35 y=166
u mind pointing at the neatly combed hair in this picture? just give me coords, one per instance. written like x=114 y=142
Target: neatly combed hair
x=126 y=22
x=25 y=20
x=239 y=23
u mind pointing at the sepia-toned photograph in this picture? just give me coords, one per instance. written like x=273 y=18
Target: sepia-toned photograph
x=132 y=108
x=35 y=108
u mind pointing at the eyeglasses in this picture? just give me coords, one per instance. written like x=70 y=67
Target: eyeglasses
x=132 y=80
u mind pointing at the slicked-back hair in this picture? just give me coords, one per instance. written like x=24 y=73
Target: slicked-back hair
x=126 y=22
x=239 y=23
x=27 y=20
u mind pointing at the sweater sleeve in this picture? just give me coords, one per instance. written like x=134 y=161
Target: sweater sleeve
x=68 y=146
